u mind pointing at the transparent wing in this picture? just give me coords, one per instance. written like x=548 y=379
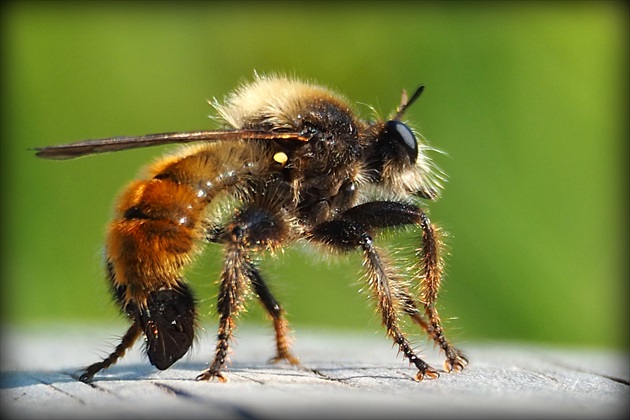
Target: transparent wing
x=114 y=144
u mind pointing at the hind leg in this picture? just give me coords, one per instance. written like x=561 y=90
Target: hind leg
x=130 y=337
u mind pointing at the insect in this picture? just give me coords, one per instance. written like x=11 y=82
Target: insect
x=293 y=163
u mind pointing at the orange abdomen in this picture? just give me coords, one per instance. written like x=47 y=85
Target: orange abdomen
x=154 y=234
x=159 y=221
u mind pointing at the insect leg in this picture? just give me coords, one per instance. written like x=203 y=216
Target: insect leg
x=126 y=342
x=233 y=286
x=254 y=228
x=280 y=323
x=432 y=266
x=455 y=359
x=348 y=234
x=380 y=214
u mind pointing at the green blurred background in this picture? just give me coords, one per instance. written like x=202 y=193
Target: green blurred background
x=529 y=100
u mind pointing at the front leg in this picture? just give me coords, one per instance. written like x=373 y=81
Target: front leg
x=344 y=235
x=455 y=359
x=383 y=214
x=431 y=266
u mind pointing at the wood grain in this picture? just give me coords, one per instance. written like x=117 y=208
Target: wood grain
x=343 y=376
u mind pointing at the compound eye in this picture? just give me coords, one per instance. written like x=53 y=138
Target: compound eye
x=403 y=135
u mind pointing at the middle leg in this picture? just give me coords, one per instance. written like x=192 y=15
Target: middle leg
x=254 y=229
x=269 y=302
x=280 y=323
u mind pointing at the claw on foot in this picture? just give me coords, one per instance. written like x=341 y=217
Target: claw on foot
x=428 y=373
x=288 y=358
x=85 y=377
x=456 y=363
x=208 y=375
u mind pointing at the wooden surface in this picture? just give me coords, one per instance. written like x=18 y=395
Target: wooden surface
x=344 y=376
